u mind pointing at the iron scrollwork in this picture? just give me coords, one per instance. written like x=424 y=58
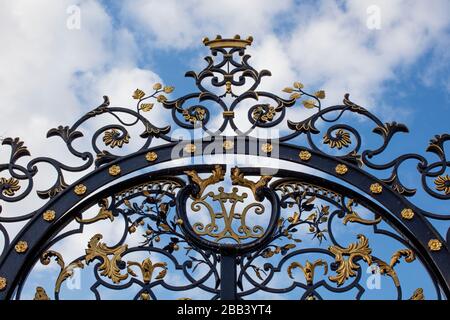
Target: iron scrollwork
x=265 y=226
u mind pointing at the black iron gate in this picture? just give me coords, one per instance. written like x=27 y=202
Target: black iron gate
x=220 y=231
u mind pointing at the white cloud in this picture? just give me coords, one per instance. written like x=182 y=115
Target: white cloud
x=51 y=74
x=325 y=44
x=45 y=71
x=182 y=24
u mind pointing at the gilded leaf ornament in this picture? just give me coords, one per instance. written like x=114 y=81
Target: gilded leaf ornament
x=418 y=295
x=308 y=269
x=109 y=266
x=103 y=213
x=217 y=175
x=65 y=272
x=40 y=294
x=147 y=267
x=237 y=178
x=353 y=216
x=388 y=269
x=342 y=139
x=346 y=267
x=9 y=187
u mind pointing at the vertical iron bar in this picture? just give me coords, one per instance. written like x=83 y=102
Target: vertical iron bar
x=228 y=287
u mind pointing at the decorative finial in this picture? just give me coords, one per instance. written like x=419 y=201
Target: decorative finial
x=235 y=42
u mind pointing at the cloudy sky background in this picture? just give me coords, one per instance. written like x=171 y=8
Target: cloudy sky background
x=51 y=74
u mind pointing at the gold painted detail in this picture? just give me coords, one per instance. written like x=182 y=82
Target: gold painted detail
x=388 y=269
x=163 y=186
x=147 y=267
x=3 y=283
x=304 y=155
x=235 y=42
x=267 y=148
x=103 y=214
x=21 y=246
x=109 y=266
x=353 y=216
x=237 y=179
x=434 y=245
x=407 y=214
x=376 y=188
x=80 y=189
x=346 y=267
x=114 y=170
x=340 y=140
x=227 y=214
x=145 y=296
x=228 y=89
x=40 y=294
x=264 y=113
x=9 y=187
x=308 y=269
x=218 y=174
x=341 y=169
x=418 y=295
x=113 y=139
x=294 y=186
x=190 y=148
x=228 y=114
x=443 y=184
x=151 y=156
x=228 y=144
x=49 y=215
x=198 y=114
x=65 y=272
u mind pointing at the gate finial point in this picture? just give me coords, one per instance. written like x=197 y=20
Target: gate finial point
x=235 y=42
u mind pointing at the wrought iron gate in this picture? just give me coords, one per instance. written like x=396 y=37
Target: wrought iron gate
x=226 y=232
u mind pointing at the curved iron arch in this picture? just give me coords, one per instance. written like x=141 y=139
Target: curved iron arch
x=390 y=193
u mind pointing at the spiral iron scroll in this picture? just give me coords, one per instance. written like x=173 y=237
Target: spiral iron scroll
x=231 y=85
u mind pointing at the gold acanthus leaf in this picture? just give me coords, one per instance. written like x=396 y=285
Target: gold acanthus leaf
x=418 y=295
x=103 y=214
x=348 y=266
x=66 y=271
x=237 y=178
x=109 y=267
x=218 y=174
x=40 y=294
x=353 y=216
x=147 y=268
x=388 y=269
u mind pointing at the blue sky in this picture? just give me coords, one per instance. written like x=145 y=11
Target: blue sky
x=52 y=74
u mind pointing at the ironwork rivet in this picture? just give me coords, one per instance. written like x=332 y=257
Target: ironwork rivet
x=434 y=245
x=341 y=169
x=21 y=246
x=228 y=144
x=304 y=155
x=376 y=188
x=151 y=156
x=3 y=283
x=145 y=296
x=190 y=148
x=49 y=215
x=228 y=114
x=267 y=147
x=114 y=170
x=407 y=214
x=80 y=189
